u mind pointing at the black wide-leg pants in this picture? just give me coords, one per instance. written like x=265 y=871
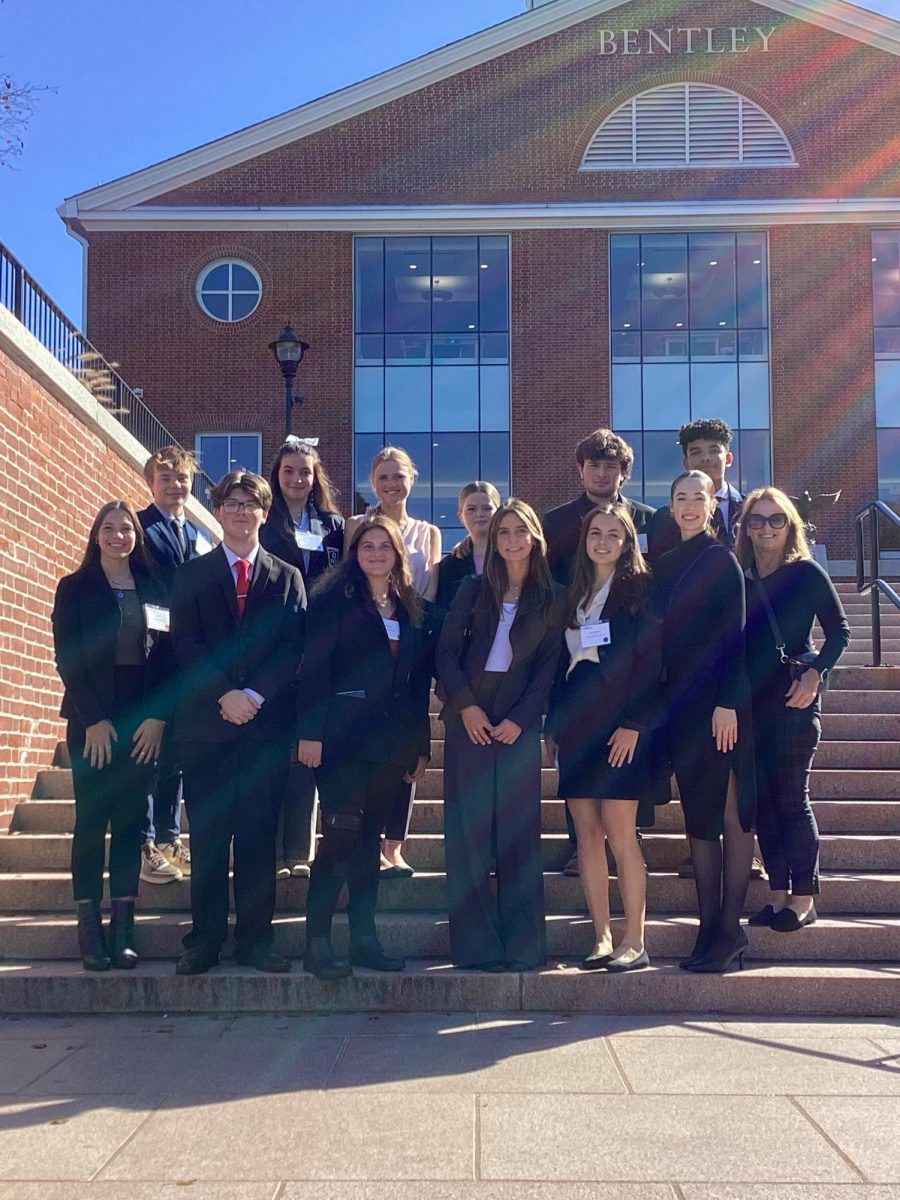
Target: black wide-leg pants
x=492 y=808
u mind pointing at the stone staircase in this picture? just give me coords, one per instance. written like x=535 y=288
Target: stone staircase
x=848 y=963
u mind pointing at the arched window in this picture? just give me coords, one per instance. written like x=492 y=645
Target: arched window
x=688 y=125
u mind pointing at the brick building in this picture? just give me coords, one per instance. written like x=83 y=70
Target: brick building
x=629 y=213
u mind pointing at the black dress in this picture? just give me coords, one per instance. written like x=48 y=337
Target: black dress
x=588 y=705
x=700 y=598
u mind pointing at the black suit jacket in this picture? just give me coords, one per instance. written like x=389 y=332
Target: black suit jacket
x=163 y=546
x=562 y=528
x=664 y=534
x=352 y=694
x=279 y=540
x=86 y=623
x=451 y=572
x=217 y=652
x=465 y=643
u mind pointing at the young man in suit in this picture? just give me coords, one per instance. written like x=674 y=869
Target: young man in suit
x=170 y=540
x=237 y=627
x=706 y=446
x=604 y=463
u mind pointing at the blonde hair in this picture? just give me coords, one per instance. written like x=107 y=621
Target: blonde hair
x=796 y=547
x=170 y=458
x=464 y=548
x=389 y=454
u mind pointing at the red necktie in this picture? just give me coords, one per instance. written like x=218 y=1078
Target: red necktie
x=242 y=566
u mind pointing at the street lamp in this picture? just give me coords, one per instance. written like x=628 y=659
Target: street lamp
x=289 y=350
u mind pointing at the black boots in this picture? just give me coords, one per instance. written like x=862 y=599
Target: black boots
x=91 y=945
x=367 y=951
x=319 y=960
x=120 y=940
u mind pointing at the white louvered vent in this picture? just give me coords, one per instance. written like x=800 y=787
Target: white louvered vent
x=688 y=125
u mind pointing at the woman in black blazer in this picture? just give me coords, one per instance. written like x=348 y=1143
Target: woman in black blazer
x=496 y=660
x=364 y=728
x=306 y=530
x=114 y=655
x=700 y=591
x=603 y=709
x=478 y=502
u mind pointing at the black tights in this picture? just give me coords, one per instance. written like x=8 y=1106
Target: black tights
x=722 y=875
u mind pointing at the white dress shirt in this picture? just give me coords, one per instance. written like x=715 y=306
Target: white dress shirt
x=500 y=657
x=586 y=616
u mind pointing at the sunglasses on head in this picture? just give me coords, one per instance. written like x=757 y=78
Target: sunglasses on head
x=758 y=521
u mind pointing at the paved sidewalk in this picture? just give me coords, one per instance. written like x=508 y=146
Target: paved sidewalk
x=411 y=1106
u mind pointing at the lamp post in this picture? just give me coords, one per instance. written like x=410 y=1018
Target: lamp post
x=289 y=350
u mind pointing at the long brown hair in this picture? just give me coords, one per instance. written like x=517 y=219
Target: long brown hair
x=350 y=577
x=464 y=548
x=137 y=559
x=322 y=490
x=538 y=582
x=796 y=547
x=631 y=573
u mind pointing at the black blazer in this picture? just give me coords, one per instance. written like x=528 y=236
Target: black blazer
x=163 y=546
x=628 y=688
x=562 y=528
x=86 y=623
x=352 y=694
x=217 y=652
x=465 y=643
x=664 y=535
x=279 y=540
x=451 y=572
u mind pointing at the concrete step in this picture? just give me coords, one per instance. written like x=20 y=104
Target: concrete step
x=858 y=756
x=854 y=785
x=860 y=727
x=842 y=892
x=873 y=701
x=856 y=656
x=858 y=989
x=858 y=678
x=24 y=852
x=425 y=935
x=833 y=816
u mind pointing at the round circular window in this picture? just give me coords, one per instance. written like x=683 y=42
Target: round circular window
x=228 y=290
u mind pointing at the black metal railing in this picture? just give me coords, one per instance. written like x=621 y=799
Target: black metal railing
x=30 y=304
x=873 y=584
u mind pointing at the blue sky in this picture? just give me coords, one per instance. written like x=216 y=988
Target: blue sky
x=139 y=81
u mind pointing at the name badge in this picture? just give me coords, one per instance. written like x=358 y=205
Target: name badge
x=306 y=540
x=202 y=544
x=595 y=635
x=642 y=543
x=392 y=628
x=156 y=617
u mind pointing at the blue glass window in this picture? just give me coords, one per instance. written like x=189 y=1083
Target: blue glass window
x=886 y=304
x=220 y=453
x=228 y=290
x=689 y=339
x=431 y=349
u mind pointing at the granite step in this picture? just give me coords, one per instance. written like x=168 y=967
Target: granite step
x=820 y=989
x=842 y=892
x=426 y=935
x=862 y=703
x=833 y=816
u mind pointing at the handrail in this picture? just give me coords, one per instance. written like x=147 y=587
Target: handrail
x=875 y=586
x=30 y=304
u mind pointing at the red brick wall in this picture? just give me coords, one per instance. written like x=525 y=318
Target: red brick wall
x=200 y=375
x=55 y=474
x=513 y=129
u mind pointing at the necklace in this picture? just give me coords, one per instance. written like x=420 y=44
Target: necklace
x=384 y=601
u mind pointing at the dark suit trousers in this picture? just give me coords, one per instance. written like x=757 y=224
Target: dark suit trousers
x=492 y=808
x=233 y=792
x=356 y=798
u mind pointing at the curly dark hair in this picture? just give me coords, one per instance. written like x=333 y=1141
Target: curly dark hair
x=708 y=429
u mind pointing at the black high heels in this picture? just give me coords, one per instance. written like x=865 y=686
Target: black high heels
x=722 y=952
x=701 y=945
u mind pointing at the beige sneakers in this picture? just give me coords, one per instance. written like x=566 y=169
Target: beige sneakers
x=155 y=867
x=178 y=855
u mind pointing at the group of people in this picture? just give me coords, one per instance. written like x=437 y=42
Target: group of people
x=292 y=665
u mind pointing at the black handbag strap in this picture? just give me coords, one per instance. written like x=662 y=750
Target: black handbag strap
x=770 y=613
x=689 y=568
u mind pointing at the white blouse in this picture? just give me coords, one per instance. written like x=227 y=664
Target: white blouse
x=417 y=539
x=500 y=657
x=586 y=616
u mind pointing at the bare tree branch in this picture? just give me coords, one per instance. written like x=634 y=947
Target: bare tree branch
x=17 y=105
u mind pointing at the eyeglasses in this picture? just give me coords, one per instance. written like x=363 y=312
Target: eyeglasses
x=758 y=521
x=236 y=506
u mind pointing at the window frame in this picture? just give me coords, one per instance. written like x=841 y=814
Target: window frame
x=230 y=293
x=230 y=434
